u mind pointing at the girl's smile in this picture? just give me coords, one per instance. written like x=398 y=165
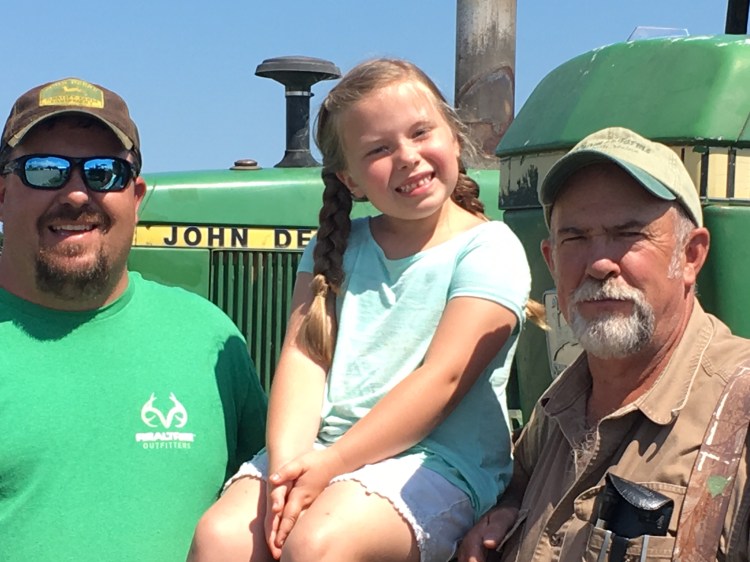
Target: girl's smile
x=416 y=185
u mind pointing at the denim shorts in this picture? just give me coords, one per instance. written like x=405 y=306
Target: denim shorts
x=439 y=513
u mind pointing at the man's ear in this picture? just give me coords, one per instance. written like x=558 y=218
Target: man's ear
x=350 y=184
x=547 y=253
x=139 y=190
x=695 y=253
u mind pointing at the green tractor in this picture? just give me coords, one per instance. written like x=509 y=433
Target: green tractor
x=235 y=236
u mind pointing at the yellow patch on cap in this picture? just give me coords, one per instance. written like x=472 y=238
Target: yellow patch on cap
x=72 y=93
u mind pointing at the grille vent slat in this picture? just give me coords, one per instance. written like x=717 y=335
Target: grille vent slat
x=255 y=290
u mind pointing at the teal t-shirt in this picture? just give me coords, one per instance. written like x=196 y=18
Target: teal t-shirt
x=387 y=313
x=118 y=426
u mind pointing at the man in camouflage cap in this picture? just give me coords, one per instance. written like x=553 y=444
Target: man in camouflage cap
x=626 y=244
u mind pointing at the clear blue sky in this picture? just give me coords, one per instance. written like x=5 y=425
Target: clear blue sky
x=187 y=67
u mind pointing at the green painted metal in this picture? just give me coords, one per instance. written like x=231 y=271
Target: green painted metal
x=684 y=90
x=283 y=197
x=263 y=197
x=533 y=374
x=489 y=191
x=723 y=282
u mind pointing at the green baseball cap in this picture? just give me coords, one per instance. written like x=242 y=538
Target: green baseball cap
x=655 y=166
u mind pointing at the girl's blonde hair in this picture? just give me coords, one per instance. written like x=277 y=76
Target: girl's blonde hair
x=317 y=334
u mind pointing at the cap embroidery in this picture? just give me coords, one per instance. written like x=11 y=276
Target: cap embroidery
x=622 y=143
x=72 y=93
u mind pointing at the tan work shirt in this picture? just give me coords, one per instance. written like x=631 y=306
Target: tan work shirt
x=652 y=441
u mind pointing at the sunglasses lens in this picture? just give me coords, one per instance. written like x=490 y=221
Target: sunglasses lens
x=46 y=172
x=105 y=174
x=52 y=172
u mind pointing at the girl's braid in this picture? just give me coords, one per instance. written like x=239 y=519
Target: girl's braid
x=333 y=231
x=466 y=194
x=317 y=334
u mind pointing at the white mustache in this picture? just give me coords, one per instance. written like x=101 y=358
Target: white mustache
x=609 y=289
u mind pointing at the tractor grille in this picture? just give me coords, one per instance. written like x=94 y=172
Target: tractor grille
x=255 y=290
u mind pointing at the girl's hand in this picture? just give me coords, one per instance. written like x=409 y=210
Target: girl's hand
x=276 y=500
x=305 y=478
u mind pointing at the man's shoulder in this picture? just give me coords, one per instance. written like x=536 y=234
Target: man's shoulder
x=152 y=289
x=725 y=351
x=167 y=299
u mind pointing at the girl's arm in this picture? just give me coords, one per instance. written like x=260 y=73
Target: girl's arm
x=470 y=333
x=293 y=410
x=297 y=391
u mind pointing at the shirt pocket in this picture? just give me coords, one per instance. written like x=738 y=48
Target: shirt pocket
x=657 y=548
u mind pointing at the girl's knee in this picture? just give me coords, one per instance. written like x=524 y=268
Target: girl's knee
x=319 y=542
x=216 y=537
x=222 y=536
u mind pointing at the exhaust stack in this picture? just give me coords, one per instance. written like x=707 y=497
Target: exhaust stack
x=485 y=72
x=297 y=74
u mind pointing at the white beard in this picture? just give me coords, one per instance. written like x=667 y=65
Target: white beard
x=613 y=336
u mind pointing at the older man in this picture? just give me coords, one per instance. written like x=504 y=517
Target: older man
x=123 y=404
x=626 y=245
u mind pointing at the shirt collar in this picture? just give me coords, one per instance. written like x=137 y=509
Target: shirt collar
x=665 y=398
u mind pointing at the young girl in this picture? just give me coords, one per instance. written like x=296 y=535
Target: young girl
x=387 y=430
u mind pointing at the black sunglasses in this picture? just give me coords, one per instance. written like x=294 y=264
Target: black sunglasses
x=50 y=171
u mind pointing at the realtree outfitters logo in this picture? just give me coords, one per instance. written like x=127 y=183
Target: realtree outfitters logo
x=175 y=418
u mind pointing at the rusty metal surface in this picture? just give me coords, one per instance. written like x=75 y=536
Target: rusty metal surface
x=485 y=73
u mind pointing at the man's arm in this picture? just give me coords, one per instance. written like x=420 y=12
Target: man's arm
x=243 y=400
x=481 y=542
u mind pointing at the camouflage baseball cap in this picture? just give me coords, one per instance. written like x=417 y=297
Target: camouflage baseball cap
x=70 y=95
x=655 y=166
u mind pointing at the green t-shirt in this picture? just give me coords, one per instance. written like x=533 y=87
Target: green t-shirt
x=118 y=426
